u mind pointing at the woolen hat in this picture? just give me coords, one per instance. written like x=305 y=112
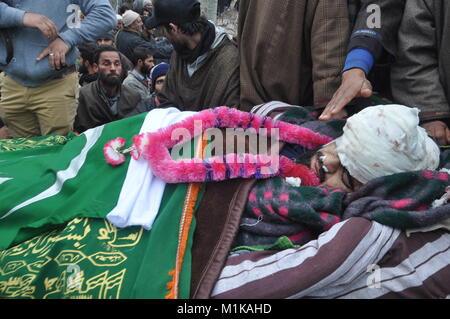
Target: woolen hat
x=158 y=71
x=107 y=35
x=173 y=11
x=129 y=17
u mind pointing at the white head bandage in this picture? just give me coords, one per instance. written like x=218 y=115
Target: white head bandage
x=384 y=140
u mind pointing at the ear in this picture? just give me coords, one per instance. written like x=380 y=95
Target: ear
x=95 y=67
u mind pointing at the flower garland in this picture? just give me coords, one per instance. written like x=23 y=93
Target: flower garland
x=154 y=147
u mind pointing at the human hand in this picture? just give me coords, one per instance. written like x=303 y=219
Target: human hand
x=439 y=130
x=42 y=23
x=354 y=84
x=56 y=52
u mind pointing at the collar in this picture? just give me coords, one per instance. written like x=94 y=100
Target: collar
x=139 y=76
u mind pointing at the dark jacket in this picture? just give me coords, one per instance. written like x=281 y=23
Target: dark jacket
x=421 y=76
x=93 y=109
x=127 y=40
x=379 y=39
x=215 y=83
x=291 y=50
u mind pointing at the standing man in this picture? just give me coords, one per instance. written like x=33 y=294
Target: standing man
x=371 y=51
x=106 y=100
x=421 y=75
x=291 y=51
x=39 y=92
x=204 y=69
x=137 y=79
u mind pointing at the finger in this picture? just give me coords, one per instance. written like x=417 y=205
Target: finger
x=57 y=61
x=326 y=114
x=51 y=61
x=366 y=90
x=43 y=54
x=442 y=140
x=447 y=133
x=63 y=59
x=439 y=135
x=342 y=101
x=51 y=29
x=45 y=28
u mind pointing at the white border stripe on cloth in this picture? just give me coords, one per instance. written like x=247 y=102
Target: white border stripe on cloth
x=419 y=266
x=75 y=165
x=375 y=244
x=235 y=276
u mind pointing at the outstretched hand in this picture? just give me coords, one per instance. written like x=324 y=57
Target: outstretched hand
x=42 y=23
x=354 y=84
x=439 y=131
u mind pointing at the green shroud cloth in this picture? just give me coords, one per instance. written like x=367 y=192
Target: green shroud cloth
x=91 y=259
x=52 y=184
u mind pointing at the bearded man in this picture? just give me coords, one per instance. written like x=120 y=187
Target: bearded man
x=106 y=100
x=138 y=79
x=204 y=69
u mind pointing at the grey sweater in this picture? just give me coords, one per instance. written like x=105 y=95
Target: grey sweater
x=29 y=43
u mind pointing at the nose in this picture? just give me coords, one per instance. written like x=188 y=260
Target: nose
x=332 y=162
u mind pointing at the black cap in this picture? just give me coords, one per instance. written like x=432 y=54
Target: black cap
x=173 y=11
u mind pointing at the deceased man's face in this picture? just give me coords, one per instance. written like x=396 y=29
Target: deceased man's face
x=326 y=164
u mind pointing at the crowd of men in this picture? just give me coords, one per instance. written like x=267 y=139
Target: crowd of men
x=71 y=68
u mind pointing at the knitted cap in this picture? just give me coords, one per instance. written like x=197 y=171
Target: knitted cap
x=129 y=17
x=157 y=71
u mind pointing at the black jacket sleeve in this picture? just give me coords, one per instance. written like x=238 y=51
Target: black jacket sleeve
x=375 y=26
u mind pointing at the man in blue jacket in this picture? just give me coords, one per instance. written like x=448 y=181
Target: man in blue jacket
x=38 y=53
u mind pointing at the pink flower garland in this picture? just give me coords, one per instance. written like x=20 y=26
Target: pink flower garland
x=154 y=147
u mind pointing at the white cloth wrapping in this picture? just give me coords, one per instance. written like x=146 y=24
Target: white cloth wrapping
x=142 y=192
x=384 y=140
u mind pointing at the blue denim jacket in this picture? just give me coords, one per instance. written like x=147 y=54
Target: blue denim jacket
x=29 y=43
